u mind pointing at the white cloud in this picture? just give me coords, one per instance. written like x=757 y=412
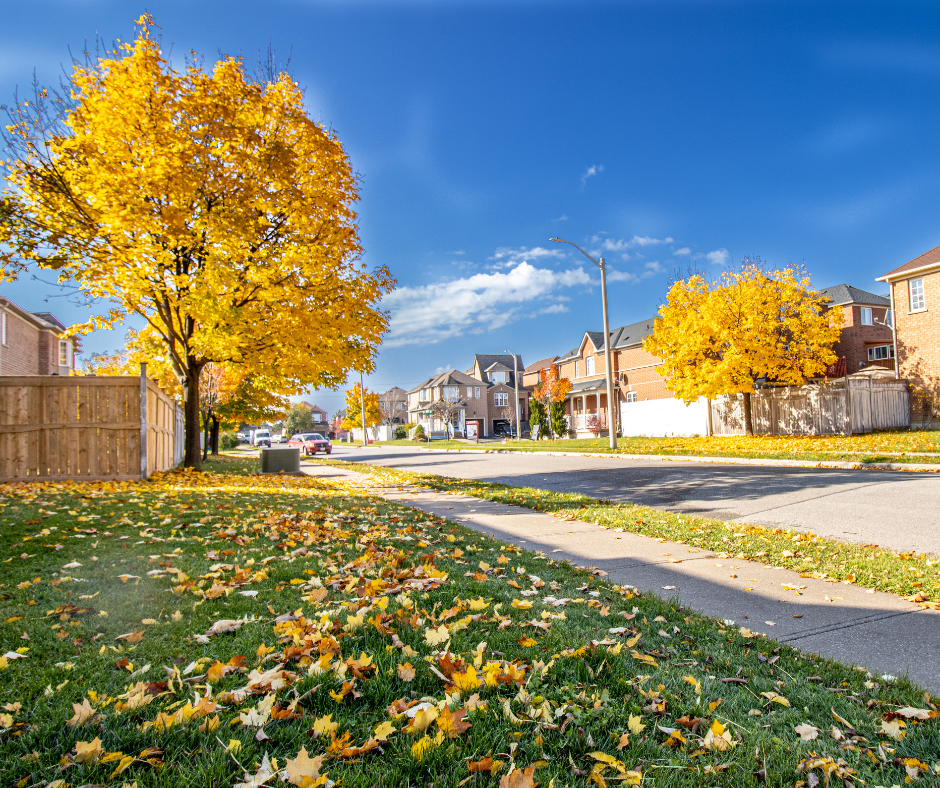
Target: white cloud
x=621 y=276
x=590 y=172
x=554 y=309
x=459 y=251
x=683 y=251
x=718 y=257
x=562 y=218
x=507 y=257
x=427 y=314
x=621 y=244
x=654 y=267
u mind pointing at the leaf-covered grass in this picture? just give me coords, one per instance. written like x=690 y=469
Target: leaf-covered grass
x=914 y=575
x=395 y=645
x=897 y=447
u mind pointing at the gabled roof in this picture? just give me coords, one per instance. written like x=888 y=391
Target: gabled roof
x=484 y=360
x=450 y=378
x=926 y=260
x=624 y=336
x=575 y=352
x=541 y=364
x=498 y=367
x=846 y=294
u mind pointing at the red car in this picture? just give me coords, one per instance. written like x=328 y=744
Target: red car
x=310 y=443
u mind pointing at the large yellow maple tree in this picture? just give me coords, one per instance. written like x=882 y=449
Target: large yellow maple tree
x=720 y=336
x=207 y=203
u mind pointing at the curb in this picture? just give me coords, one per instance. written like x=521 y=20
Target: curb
x=910 y=467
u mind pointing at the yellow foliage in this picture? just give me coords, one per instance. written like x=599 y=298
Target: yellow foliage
x=719 y=337
x=209 y=204
x=353 y=418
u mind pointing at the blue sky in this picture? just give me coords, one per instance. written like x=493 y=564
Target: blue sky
x=660 y=134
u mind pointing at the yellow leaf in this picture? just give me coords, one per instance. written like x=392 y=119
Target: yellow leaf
x=406 y=672
x=434 y=637
x=88 y=751
x=635 y=724
x=323 y=726
x=303 y=769
x=383 y=730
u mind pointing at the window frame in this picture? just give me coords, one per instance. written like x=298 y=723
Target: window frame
x=501 y=399
x=476 y=392
x=866 y=311
x=64 y=345
x=577 y=369
x=922 y=294
x=589 y=365
x=888 y=350
x=889 y=318
x=630 y=396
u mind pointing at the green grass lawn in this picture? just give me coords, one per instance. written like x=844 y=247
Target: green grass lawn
x=910 y=575
x=902 y=446
x=225 y=629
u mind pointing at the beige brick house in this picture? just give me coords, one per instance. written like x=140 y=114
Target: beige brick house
x=915 y=299
x=32 y=343
x=867 y=338
x=635 y=375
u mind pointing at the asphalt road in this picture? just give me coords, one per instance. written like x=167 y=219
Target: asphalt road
x=889 y=508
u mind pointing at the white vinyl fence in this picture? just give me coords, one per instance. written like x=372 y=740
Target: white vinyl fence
x=659 y=418
x=841 y=407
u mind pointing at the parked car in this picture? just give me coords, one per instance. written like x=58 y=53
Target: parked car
x=310 y=443
x=261 y=438
x=503 y=431
x=283 y=438
x=242 y=437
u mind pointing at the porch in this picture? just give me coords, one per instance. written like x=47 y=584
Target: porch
x=587 y=408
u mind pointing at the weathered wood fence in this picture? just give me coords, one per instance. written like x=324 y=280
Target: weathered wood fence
x=847 y=406
x=86 y=428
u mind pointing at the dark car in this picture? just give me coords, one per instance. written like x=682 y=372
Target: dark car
x=310 y=443
x=502 y=430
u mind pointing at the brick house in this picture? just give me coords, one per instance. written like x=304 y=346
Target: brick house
x=395 y=403
x=635 y=375
x=530 y=375
x=32 y=343
x=867 y=338
x=500 y=369
x=466 y=392
x=915 y=300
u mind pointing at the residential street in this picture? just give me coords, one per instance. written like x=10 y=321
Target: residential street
x=888 y=508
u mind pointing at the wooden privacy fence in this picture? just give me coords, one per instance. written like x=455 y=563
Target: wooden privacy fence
x=840 y=407
x=86 y=428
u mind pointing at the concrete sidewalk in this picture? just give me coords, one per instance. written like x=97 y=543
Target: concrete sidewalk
x=879 y=631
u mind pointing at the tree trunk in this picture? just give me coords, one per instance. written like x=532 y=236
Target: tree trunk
x=205 y=439
x=192 y=458
x=748 y=419
x=215 y=435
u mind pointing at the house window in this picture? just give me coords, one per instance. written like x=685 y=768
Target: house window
x=880 y=352
x=501 y=399
x=476 y=392
x=316 y=417
x=866 y=316
x=631 y=396
x=589 y=365
x=451 y=393
x=918 y=301
x=401 y=405
x=63 y=353
x=889 y=318
x=577 y=369
x=469 y=392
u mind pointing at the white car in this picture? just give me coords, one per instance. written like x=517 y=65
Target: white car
x=261 y=438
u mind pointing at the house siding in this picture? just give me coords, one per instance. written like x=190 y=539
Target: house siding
x=918 y=346
x=856 y=338
x=21 y=353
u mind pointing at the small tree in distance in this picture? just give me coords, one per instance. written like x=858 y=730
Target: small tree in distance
x=550 y=391
x=299 y=419
x=721 y=336
x=353 y=418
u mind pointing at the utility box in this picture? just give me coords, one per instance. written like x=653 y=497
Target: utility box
x=280 y=460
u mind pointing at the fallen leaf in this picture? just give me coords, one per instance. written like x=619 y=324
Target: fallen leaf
x=303 y=770
x=807 y=732
x=406 y=672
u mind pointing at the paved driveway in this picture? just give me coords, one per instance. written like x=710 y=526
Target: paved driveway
x=888 y=508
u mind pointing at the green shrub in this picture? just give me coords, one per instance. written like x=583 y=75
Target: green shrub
x=401 y=432
x=228 y=440
x=419 y=433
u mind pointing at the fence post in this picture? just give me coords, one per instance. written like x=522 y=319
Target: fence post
x=143 y=420
x=848 y=404
x=711 y=428
x=871 y=404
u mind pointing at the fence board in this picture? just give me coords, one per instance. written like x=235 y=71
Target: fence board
x=83 y=428
x=831 y=409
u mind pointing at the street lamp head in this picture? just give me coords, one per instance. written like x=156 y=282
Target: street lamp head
x=556 y=240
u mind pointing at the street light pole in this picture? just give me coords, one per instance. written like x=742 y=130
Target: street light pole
x=611 y=410
x=515 y=380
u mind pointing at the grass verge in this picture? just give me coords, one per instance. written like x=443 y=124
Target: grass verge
x=897 y=447
x=225 y=629
x=915 y=576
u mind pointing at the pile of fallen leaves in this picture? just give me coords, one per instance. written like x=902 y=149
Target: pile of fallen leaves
x=202 y=629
